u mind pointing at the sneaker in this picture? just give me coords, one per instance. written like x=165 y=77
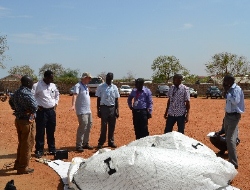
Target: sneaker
x=79 y=149
x=25 y=171
x=88 y=147
x=112 y=145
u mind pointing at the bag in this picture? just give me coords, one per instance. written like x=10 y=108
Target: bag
x=61 y=154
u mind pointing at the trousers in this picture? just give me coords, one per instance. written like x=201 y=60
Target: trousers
x=140 y=122
x=25 y=133
x=83 y=130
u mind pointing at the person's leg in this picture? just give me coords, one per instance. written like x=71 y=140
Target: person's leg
x=26 y=131
x=143 y=124
x=82 y=120
x=231 y=131
x=111 y=126
x=169 y=124
x=16 y=165
x=136 y=124
x=50 y=130
x=41 y=121
x=87 y=130
x=104 y=121
x=181 y=123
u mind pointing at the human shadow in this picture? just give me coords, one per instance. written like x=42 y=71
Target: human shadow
x=8 y=156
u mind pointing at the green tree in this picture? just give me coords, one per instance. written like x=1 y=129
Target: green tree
x=3 y=48
x=56 y=68
x=69 y=76
x=22 y=70
x=165 y=67
x=225 y=63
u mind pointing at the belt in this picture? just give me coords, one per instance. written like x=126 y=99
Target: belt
x=23 y=118
x=140 y=110
x=108 y=106
x=232 y=113
x=42 y=108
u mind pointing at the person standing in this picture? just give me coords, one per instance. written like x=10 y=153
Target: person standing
x=235 y=106
x=81 y=104
x=47 y=97
x=178 y=105
x=24 y=105
x=141 y=108
x=107 y=109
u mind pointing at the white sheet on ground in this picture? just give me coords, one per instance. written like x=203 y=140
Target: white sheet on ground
x=169 y=161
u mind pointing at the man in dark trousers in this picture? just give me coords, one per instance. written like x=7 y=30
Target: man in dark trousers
x=178 y=105
x=141 y=108
x=107 y=109
x=47 y=97
x=24 y=105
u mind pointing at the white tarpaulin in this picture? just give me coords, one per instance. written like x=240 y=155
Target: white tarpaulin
x=169 y=161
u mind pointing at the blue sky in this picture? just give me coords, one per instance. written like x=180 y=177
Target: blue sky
x=122 y=36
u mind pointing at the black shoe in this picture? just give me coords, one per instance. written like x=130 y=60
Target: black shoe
x=38 y=154
x=79 y=149
x=112 y=145
x=99 y=146
x=88 y=147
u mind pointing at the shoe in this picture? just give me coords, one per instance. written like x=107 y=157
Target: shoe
x=25 y=171
x=88 y=147
x=99 y=146
x=112 y=145
x=79 y=149
x=38 y=154
x=52 y=152
x=236 y=167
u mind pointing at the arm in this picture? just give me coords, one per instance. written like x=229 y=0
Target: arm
x=234 y=96
x=73 y=101
x=117 y=107
x=98 y=103
x=166 y=112
x=129 y=100
x=187 y=113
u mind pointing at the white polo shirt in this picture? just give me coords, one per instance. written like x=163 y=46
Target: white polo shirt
x=47 y=95
x=82 y=105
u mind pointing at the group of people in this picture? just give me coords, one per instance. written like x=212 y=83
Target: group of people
x=41 y=102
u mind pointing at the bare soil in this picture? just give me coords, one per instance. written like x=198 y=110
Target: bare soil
x=206 y=116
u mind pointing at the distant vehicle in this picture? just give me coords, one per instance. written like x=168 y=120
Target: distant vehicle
x=162 y=90
x=214 y=91
x=93 y=84
x=193 y=93
x=125 y=90
x=71 y=91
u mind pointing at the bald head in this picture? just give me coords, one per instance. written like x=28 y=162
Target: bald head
x=27 y=81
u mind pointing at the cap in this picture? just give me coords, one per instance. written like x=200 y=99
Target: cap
x=84 y=75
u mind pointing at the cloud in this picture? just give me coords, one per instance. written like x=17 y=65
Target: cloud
x=187 y=26
x=42 y=38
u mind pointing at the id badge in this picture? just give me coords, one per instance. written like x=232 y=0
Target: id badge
x=135 y=103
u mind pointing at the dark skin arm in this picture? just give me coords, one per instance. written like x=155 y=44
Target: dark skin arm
x=98 y=107
x=166 y=112
x=187 y=108
x=116 y=107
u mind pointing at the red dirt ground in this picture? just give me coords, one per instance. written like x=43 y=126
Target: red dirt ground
x=205 y=116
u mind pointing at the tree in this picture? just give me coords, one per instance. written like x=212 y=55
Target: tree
x=130 y=76
x=69 y=76
x=3 y=48
x=165 y=67
x=56 y=68
x=225 y=63
x=22 y=70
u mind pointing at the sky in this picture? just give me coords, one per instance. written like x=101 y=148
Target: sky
x=122 y=36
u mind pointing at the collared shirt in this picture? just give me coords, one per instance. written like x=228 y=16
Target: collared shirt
x=82 y=105
x=178 y=97
x=23 y=103
x=235 y=100
x=107 y=93
x=142 y=99
x=47 y=95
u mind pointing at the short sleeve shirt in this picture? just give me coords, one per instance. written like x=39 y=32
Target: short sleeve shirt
x=107 y=93
x=82 y=105
x=178 y=97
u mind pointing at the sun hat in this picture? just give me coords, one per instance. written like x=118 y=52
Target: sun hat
x=84 y=75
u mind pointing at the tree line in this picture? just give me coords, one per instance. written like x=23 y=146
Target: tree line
x=163 y=67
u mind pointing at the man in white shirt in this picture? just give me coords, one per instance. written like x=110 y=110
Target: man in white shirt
x=107 y=110
x=47 y=97
x=81 y=104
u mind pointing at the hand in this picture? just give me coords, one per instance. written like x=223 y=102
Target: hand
x=72 y=108
x=117 y=113
x=149 y=115
x=55 y=107
x=186 y=118
x=99 y=113
x=131 y=108
x=166 y=115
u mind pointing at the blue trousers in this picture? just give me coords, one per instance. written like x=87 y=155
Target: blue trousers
x=171 y=120
x=45 y=121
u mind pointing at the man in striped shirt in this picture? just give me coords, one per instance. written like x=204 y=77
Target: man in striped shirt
x=178 y=105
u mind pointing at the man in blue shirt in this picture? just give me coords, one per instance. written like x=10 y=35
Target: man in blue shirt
x=24 y=105
x=234 y=108
x=141 y=108
x=107 y=109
